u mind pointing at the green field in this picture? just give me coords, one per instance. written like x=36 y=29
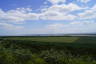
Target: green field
x=48 y=50
x=56 y=39
x=47 y=39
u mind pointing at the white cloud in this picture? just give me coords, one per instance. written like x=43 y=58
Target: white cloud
x=64 y=8
x=54 y=12
x=11 y=27
x=89 y=14
x=18 y=15
x=11 y=20
x=54 y=28
x=57 y=1
x=60 y=12
x=94 y=7
x=63 y=28
x=84 y=1
x=73 y=27
x=50 y=15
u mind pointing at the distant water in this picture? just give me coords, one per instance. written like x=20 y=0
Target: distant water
x=92 y=35
x=83 y=35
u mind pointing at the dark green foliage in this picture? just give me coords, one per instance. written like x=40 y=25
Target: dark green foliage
x=14 y=51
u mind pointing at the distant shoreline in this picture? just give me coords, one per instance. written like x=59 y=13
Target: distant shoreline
x=52 y=35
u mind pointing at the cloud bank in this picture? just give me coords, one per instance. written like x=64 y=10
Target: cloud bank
x=81 y=19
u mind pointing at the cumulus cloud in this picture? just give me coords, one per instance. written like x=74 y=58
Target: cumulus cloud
x=18 y=15
x=60 y=12
x=50 y=15
x=72 y=27
x=89 y=14
x=53 y=12
x=71 y=12
x=57 y=1
x=84 y=1
x=63 y=28
x=11 y=27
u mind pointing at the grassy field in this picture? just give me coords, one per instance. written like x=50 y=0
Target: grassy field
x=76 y=40
x=48 y=50
x=47 y=39
x=65 y=39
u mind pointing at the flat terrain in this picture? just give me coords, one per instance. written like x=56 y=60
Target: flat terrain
x=71 y=41
x=65 y=39
x=47 y=39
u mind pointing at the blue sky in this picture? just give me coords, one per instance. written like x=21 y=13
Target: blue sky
x=47 y=16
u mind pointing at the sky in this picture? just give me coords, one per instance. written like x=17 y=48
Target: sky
x=18 y=17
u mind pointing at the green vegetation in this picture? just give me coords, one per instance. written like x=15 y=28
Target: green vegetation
x=47 y=50
x=47 y=39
